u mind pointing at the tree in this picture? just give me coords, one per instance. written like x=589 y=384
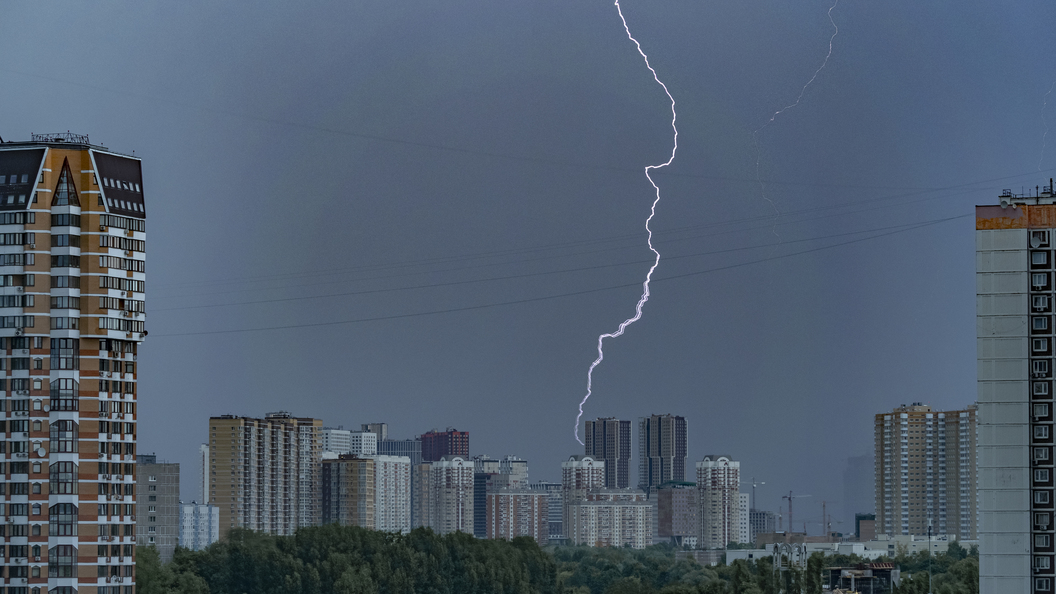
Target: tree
x=812 y=582
x=151 y=576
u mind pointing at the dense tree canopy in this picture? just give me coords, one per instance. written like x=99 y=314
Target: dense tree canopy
x=344 y=560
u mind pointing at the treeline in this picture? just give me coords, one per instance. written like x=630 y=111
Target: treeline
x=344 y=560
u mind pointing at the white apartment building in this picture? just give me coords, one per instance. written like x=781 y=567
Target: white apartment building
x=199 y=525
x=337 y=441
x=392 y=493
x=612 y=523
x=580 y=474
x=718 y=485
x=1014 y=307
x=444 y=495
x=363 y=443
x=744 y=527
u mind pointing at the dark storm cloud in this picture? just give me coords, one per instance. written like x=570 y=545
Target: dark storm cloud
x=297 y=150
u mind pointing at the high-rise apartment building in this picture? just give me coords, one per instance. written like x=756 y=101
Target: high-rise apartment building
x=663 y=446
x=157 y=504
x=363 y=443
x=678 y=513
x=72 y=275
x=379 y=429
x=203 y=471
x=609 y=439
x=264 y=473
x=392 y=493
x=1014 y=307
x=925 y=471
x=444 y=495
x=761 y=522
x=718 y=487
x=437 y=444
x=555 y=508
x=348 y=491
x=199 y=525
x=611 y=522
x=580 y=475
x=412 y=448
x=518 y=512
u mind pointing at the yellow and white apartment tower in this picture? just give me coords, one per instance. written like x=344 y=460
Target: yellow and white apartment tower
x=1015 y=242
x=72 y=237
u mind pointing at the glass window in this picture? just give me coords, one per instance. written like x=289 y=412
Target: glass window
x=1039 y=258
x=1038 y=322
x=1041 y=431
x=1039 y=279
x=1041 y=388
x=1041 y=497
x=1041 y=367
x=1040 y=344
x=1041 y=410
x=1041 y=475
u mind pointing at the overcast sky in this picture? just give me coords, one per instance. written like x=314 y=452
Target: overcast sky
x=313 y=165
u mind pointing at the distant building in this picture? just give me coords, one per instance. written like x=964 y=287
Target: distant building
x=925 y=471
x=437 y=444
x=609 y=439
x=554 y=507
x=718 y=484
x=678 y=513
x=663 y=445
x=392 y=493
x=337 y=441
x=864 y=527
x=199 y=525
x=444 y=495
x=518 y=512
x=412 y=448
x=157 y=504
x=363 y=443
x=579 y=475
x=859 y=487
x=761 y=522
x=490 y=476
x=379 y=429
x=264 y=473
x=348 y=491
x=744 y=528
x=610 y=523
x=203 y=471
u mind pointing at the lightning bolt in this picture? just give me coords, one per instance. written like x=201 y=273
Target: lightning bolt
x=649 y=240
x=755 y=135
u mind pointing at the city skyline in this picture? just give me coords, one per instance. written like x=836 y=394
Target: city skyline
x=312 y=168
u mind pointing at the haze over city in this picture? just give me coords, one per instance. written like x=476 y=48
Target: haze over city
x=426 y=213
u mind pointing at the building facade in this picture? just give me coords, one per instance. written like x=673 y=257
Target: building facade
x=158 y=504
x=718 y=485
x=437 y=444
x=199 y=525
x=555 y=509
x=611 y=523
x=337 y=441
x=580 y=475
x=518 y=512
x=761 y=522
x=444 y=495
x=72 y=283
x=264 y=474
x=678 y=513
x=348 y=491
x=392 y=493
x=412 y=448
x=609 y=439
x=663 y=446
x=1014 y=309
x=925 y=471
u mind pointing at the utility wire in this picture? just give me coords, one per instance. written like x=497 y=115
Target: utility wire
x=558 y=296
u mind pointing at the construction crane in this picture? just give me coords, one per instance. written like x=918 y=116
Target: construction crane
x=754 y=485
x=790 y=497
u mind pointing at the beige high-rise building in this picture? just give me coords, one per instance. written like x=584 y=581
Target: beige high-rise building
x=443 y=495
x=718 y=491
x=348 y=496
x=518 y=512
x=72 y=284
x=264 y=474
x=580 y=475
x=925 y=471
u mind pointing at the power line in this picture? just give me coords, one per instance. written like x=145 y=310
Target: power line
x=534 y=274
x=558 y=296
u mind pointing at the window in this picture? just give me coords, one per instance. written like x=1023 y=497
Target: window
x=1040 y=280
x=1041 y=431
x=61 y=559
x=1041 y=497
x=64 y=240
x=1041 y=562
x=1039 y=258
x=1041 y=454
x=1042 y=540
x=1040 y=345
x=1041 y=475
x=1039 y=238
x=1040 y=302
x=1040 y=367
x=1041 y=410
x=63 y=477
x=62 y=519
x=65 y=352
x=65 y=323
x=1042 y=519
x=1041 y=388
x=65 y=282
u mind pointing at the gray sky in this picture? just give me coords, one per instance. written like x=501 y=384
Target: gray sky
x=301 y=150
